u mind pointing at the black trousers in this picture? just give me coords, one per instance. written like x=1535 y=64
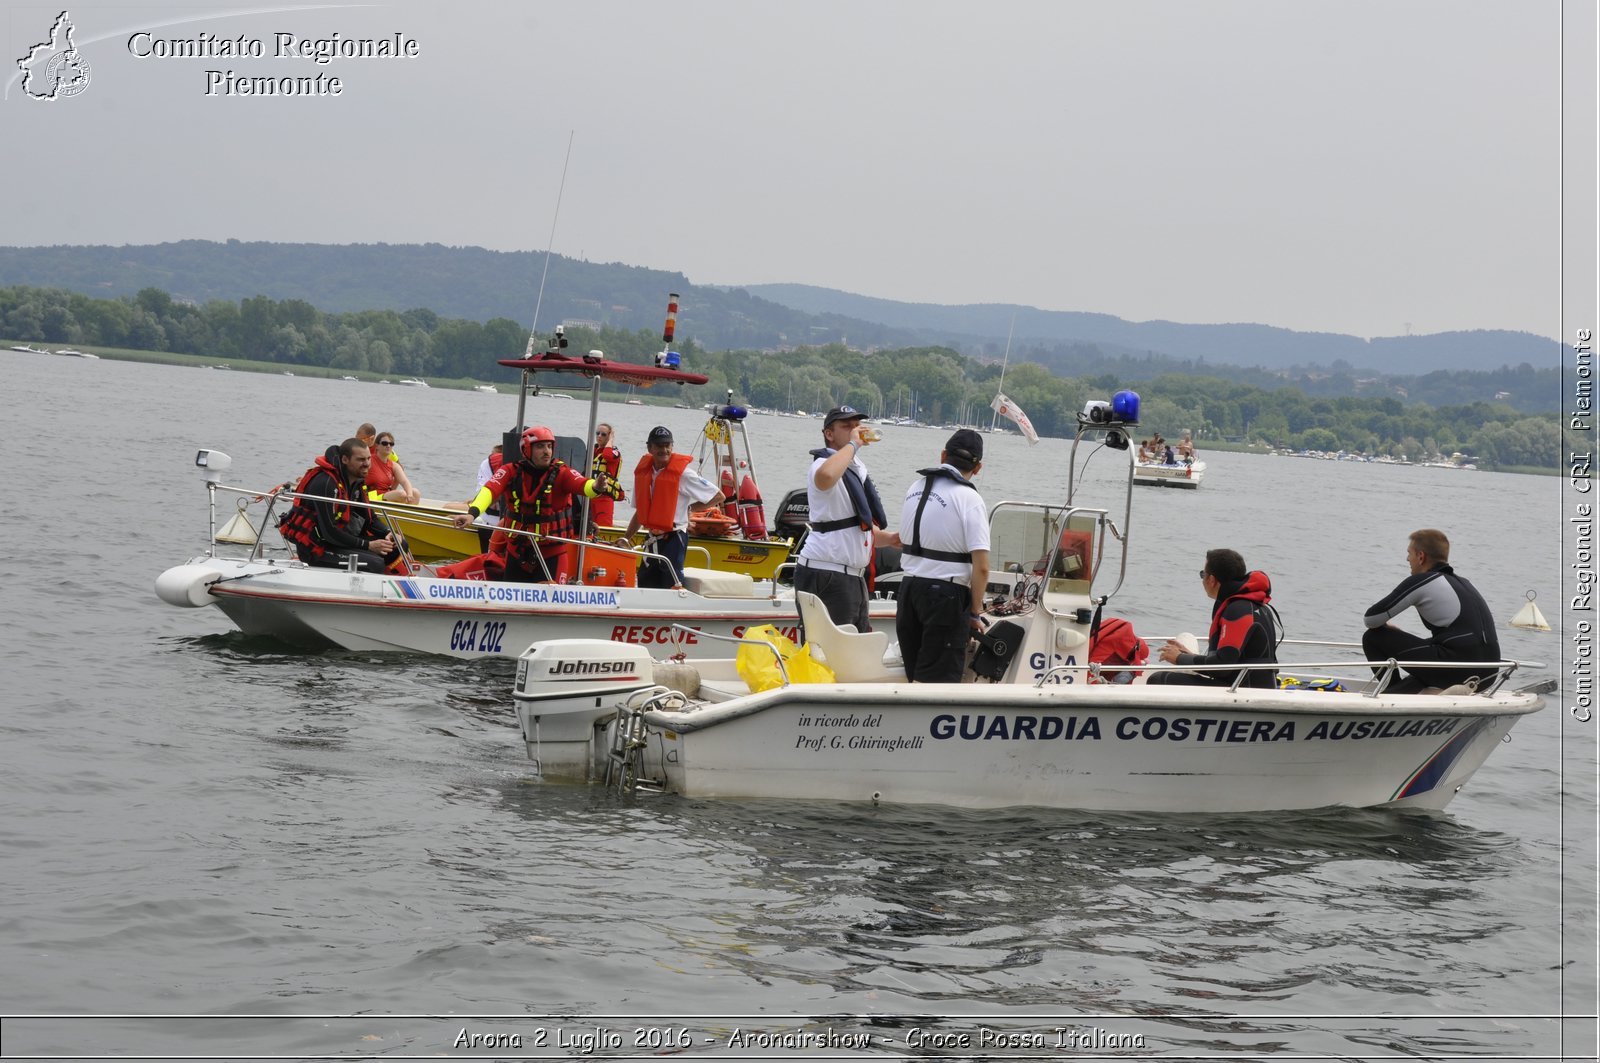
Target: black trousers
x=1382 y=643
x=844 y=595
x=934 y=625
x=674 y=546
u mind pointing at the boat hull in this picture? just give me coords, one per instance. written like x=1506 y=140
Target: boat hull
x=465 y=618
x=1091 y=748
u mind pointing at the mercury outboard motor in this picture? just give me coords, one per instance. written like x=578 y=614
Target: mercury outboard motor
x=789 y=519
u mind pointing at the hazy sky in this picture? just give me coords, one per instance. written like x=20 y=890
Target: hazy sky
x=1342 y=166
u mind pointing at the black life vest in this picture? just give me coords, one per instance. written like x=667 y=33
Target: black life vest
x=863 y=499
x=913 y=545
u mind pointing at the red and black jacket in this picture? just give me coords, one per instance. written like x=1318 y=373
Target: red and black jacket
x=1244 y=630
x=330 y=521
x=537 y=500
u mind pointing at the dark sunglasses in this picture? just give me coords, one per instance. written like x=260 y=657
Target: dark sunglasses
x=1202 y=573
x=385 y=442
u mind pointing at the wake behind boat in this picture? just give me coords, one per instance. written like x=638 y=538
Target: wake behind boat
x=1033 y=723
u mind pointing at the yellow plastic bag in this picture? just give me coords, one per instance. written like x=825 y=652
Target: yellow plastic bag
x=759 y=668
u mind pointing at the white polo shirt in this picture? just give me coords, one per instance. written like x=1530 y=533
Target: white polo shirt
x=955 y=520
x=847 y=546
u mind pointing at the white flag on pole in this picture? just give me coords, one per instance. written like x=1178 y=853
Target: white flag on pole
x=1006 y=408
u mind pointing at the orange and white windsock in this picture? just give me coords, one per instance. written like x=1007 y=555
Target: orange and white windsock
x=672 y=318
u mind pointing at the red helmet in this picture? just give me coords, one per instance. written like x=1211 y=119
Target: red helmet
x=538 y=433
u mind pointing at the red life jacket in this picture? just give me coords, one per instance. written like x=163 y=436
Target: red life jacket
x=534 y=500
x=1116 y=644
x=657 y=502
x=610 y=459
x=300 y=525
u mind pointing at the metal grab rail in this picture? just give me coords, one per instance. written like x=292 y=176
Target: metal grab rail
x=1383 y=671
x=776 y=653
x=273 y=495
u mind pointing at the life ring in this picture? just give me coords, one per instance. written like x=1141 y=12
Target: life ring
x=711 y=523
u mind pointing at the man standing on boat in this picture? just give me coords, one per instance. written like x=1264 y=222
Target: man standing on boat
x=1244 y=628
x=328 y=530
x=1459 y=623
x=665 y=492
x=945 y=558
x=846 y=520
x=536 y=495
x=607 y=459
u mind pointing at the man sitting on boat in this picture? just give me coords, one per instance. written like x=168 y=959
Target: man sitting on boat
x=1459 y=623
x=1244 y=627
x=664 y=493
x=333 y=527
x=536 y=495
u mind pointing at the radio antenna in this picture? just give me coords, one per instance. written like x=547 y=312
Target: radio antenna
x=539 y=302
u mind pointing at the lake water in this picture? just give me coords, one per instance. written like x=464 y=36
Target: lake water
x=314 y=854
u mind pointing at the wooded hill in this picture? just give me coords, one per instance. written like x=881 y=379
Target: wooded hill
x=473 y=284
x=933 y=384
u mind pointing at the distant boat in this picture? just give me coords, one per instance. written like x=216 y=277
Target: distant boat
x=349 y=378
x=487 y=389
x=287 y=373
x=413 y=382
x=29 y=350
x=558 y=395
x=635 y=402
x=69 y=352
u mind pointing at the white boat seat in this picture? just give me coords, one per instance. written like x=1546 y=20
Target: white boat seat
x=713 y=584
x=854 y=656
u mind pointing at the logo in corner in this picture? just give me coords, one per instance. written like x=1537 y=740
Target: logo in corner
x=55 y=69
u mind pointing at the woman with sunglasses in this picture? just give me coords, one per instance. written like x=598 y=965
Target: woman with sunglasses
x=607 y=457
x=387 y=480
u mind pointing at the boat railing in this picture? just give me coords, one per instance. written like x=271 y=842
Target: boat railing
x=273 y=496
x=738 y=640
x=1382 y=672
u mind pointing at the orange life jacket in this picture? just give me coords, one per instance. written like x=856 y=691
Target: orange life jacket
x=657 y=502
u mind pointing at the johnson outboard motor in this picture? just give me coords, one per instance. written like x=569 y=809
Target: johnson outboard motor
x=567 y=690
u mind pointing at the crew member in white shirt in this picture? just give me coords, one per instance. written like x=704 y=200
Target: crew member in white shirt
x=944 y=531
x=847 y=521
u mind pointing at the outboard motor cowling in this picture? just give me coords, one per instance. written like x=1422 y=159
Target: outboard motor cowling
x=566 y=690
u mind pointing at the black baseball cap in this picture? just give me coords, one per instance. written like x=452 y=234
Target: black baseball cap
x=966 y=444
x=659 y=434
x=842 y=413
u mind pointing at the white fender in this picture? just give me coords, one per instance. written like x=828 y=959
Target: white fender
x=187 y=585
